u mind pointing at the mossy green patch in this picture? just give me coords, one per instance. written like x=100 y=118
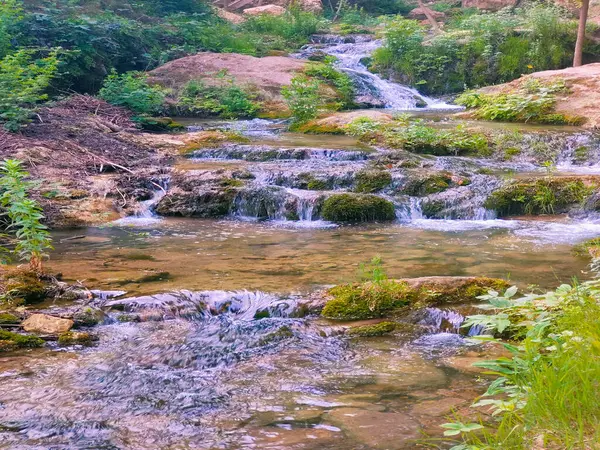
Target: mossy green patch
x=538 y=196
x=19 y=287
x=75 y=338
x=357 y=208
x=379 y=329
x=368 y=181
x=19 y=340
x=8 y=319
x=589 y=248
x=282 y=333
x=317 y=127
x=366 y=301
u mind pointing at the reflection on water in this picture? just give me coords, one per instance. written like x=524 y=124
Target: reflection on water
x=206 y=254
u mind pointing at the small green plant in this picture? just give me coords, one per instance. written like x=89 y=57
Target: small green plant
x=24 y=79
x=30 y=238
x=226 y=100
x=340 y=81
x=302 y=97
x=131 y=90
x=373 y=270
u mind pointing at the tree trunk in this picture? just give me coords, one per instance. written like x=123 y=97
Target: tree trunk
x=583 y=14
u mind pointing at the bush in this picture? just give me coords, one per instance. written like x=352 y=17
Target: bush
x=226 y=100
x=303 y=99
x=23 y=82
x=533 y=102
x=295 y=26
x=131 y=90
x=340 y=81
x=31 y=238
x=357 y=208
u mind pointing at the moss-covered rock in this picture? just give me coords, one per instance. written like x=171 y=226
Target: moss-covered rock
x=282 y=333
x=378 y=329
x=75 y=338
x=88 y=317
x=357 y=208
x=368 y=181
x=590 y=248
x=210 y=203
x=384 y=299
x=11 y=341
x=18 y=287
x=9 y=319
x=367 y=300
x=549 y=195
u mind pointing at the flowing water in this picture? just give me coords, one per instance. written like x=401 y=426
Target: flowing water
x=205 y=343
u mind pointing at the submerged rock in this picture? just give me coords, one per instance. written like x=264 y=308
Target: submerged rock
x=378 y=329
x=12 y=341
x=45 y=324
x=76 y=338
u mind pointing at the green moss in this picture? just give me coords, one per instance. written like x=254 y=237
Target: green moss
x=317 y=185
x=433 y=208
x=510 y=152
x=538 y=196
x=357 y=208
x=366 y=301
x=8 y=319
x=20 y=340
x=75 y=338
x=581 y=154
x=138 y=257
x=368 y=181
x=282 y=333
x=430 y=184
x=451 y=291
x=88 y=317
x=230 y=182
x=22 y=287
x=315 y=127
x=379 y=329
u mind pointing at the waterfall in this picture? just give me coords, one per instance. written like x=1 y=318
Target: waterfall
x=373 y=90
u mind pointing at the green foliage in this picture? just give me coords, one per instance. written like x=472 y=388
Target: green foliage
x=419 y=138
x=357 y=208
x=24 y=215
x=11 y=14
x=131 y=90
x=340 y=81
x=545 y=392
x=477 y=49
x=23 y=82
x=303 y=99
x=363 y=128
x=538 y=196
x=226 y=100
x=533 y=102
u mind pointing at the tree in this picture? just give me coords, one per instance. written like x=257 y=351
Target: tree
x=583 y=14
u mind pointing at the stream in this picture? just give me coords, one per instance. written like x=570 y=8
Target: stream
x=186 y=357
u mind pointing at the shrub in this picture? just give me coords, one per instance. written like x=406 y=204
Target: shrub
x=131 y=90
x=533 y=102
x=357 y=208
x=295 y=26
x=226 y=100
x=25 y=215
x=302 y=97
x=23 y=82
x=341 y=82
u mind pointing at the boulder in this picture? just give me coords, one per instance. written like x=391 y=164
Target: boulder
x=230 y=16
x=582 y=98
x=265 y=76
x=271 y=10
x=45 y=324
x=419 y=14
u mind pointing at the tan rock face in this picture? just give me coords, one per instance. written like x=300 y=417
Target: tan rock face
x=265 y=75
x=583 y=98
x=44 y=324
x=272 y=10
x=230 y=16
x=419 y=14
x=315 y=6
x=488 y=5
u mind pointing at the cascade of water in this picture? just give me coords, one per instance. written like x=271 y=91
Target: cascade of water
x=373 y=90
x=145 y=211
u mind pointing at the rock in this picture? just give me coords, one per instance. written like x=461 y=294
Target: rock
x=374 y=429
x=76 y=338
x=336 y=122
x=271 y=10
x=581 y=100
x=44 y=324
x=419 y=14
x=357 y=208
x=230 y=16
x=488 y=5
x=438 y=408
x=315 y=6
x=88 y=317
x=266 y=76
x=22 y=287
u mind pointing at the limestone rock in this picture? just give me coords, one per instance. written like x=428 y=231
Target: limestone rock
x=272 y=10
x=230 y=16
x=45 y=324
x=488 y=5
x=419 y=14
